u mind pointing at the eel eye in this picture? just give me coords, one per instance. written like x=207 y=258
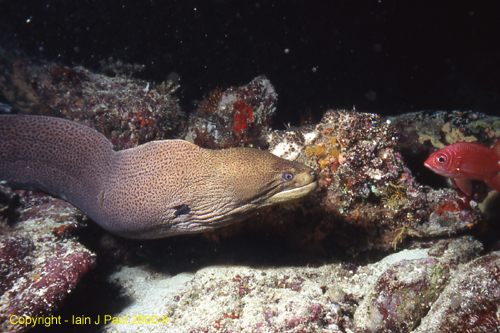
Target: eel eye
x=287 y=176
x=441 y=159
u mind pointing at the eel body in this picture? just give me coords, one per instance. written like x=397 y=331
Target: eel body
x=158 y=189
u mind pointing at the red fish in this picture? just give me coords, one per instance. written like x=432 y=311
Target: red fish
x=466 y=161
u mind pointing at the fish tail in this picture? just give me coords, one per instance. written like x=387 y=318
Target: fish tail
x=496 y=147
x=495 y=183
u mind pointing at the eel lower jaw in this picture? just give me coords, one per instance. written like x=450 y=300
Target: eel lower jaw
x=293 y=193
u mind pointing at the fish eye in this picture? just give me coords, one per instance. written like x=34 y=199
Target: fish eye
x=287 y=176
x=441 y=159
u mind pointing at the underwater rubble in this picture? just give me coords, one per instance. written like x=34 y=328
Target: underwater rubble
x=425 y=266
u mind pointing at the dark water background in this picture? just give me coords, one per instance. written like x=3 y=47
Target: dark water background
x=380 y=56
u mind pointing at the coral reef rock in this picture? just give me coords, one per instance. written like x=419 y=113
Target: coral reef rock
x=470 y=302
x=234 y=117
x=128 y=111
x=391 y=295
x=366 y=188
x=403 y=286
x=40 y=263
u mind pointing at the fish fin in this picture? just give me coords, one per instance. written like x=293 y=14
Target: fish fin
x=495 y=182
x=496 y=148
x=464 y=184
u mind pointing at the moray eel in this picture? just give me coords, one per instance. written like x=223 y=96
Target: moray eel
x=158 y=189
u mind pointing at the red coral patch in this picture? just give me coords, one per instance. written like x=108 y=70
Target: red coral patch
x=243 y=116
